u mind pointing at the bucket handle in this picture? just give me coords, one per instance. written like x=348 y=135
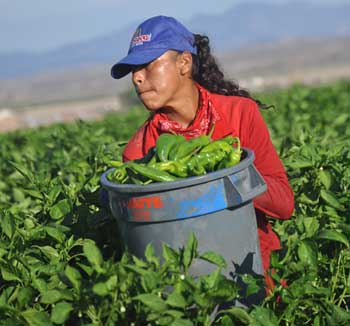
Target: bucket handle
x=243 y=186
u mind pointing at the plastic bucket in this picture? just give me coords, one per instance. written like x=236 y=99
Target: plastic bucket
x=217 y=207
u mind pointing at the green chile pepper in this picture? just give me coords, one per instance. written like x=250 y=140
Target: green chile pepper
x=178 y=158
x=115 y=164
x=194 y=144
x=230 y=140
x=206 y=161
x=174 y=148
x=151 y=172
x=194 y=167
x=164 y=144
x=234 y=156
x=217 y=144
x=119 y=175
x=190 y=146
x=213 y=159
x=176 y=168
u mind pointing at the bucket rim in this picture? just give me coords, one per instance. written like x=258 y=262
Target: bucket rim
x=181 y=183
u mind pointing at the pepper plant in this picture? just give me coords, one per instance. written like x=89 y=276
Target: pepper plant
x=62 y=262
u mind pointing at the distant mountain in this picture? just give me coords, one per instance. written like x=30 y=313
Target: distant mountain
x=243 y=25
x=275 y=64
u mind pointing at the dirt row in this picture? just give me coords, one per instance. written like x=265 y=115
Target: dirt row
x=32 y=117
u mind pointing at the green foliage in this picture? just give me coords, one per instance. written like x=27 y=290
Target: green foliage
x=311 y=131
x=61 y=261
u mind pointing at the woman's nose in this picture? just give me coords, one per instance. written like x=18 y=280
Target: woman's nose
x=138 y=76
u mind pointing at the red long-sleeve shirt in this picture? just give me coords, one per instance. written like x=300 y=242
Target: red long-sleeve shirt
x=241 y=117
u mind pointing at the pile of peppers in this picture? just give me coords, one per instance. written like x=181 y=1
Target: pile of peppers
x=174 y=158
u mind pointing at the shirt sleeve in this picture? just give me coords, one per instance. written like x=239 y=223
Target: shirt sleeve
x=278 y=200
x=134 y=148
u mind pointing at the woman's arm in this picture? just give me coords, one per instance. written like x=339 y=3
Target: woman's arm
x=278 y=200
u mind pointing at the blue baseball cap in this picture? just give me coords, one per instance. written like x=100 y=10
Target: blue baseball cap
x=151 y=39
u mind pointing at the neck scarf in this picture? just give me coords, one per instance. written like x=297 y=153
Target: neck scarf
x=205 y=119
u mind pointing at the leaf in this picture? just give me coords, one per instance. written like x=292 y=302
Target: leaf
x=60 y=312
x=201 y=299
x=252 y=284
x=33 y=193
x=214 y=258
x=23 y=171
x=311 y=226
x=330 y=199
x=61 y=209
x=176 y=300
x=136 y=269
x=87 y=269
x=50 y=296
x=18 y=195
x=49 y=252
x=181 y=322
x=93 y=254
x=29 y=224
x=299 y=164
x=150 y=280
x=239 y=314
x=150 y=255
x=344 y=227
x=139 y=262
x=169 y=254
x=55 y=233
x=337 y=316
x=36 y=318
x=226 y=290
x=164 y=320
x=8 y=275
x=325 y=178
x=25 y=296
x=152 y=301
x=226 y=321
x=174 y=313
x=213 y=279
x=264 y=317
x=307 y=254
x=149 y=252
x=100 y=289
x=303 y=198
x=105 y=288
x=8 y=225
x=54 y=193
x=40 y=284
x=333 y=235
x=73 y=276
x=190 y=250
x=309 y=289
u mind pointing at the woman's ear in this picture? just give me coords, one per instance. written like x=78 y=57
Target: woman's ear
x=186 y=63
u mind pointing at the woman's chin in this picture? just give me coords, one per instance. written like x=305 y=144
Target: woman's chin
x=151 y=106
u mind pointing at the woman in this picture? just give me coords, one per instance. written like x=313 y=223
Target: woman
x=179 y=82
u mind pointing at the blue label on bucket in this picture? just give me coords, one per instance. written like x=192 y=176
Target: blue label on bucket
x=210 y=199
x=179 y=203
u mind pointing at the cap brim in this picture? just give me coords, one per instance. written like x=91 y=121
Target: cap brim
x=124 y=66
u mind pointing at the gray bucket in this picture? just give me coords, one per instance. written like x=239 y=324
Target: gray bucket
x=217 y=207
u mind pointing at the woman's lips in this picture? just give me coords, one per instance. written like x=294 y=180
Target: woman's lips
x=143 y=92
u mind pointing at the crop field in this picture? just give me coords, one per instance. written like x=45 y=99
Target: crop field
x=62 y=262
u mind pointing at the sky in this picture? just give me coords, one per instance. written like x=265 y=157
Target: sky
x=42 y=25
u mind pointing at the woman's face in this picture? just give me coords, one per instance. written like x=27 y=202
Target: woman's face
x=158 y=82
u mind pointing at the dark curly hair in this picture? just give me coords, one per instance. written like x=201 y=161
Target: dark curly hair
x=206 y=72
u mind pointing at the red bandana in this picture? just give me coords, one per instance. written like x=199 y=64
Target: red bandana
x=204 y=120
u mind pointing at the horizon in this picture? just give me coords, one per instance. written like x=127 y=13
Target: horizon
x=19 y=25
